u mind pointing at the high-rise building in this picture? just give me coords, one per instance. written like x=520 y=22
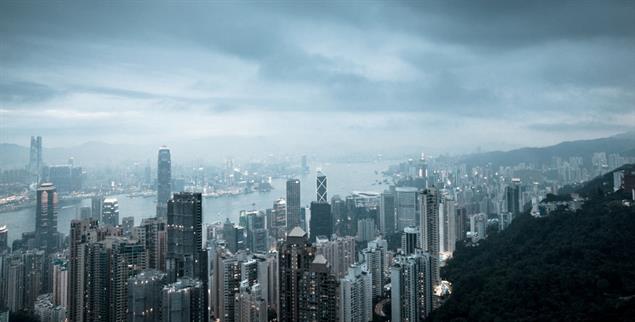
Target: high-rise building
x=295 y=257
x=355 y=300
x=47 y=311
x=97 y=205
x=411 y=287
x=35 y=156
x=278 y=228
x=185 y=235
x=513 y=197
x=4 y=238
x=293 y=204
x=250 y=304
x=127 y=224
x=448 y=232
x=144 y=296
x=46 y=217
x=110 y=212
x=478 y=226
x=82 y=232
x=321 y=188
x=321 y=220
x=406 y=207
x=339 y=252
x=409 y=240
x=255 y=224
x=387 y=213
x=164 y=181
x=429 y=237
x=60 y=282
x=366 y=229
x=153 y=234
x=375 y=262
x=318 y=292
x=184 y=301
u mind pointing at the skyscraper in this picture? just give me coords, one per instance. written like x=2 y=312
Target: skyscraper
x=250 y=304
x=409 y=240
x=185 y=235
x=4 y=238
x=321 y=188
x=355 y=300
x=293 y=203
x=184 y=301
x=339 y=252
x=35 y=156
x=406 y=207
x=164 y=181
x=513 y=196
x=375 y=261
x=295 y=257
x=429 y=236
x=411 y=287
x=321 y=220
x=387 y=213
x=144 y=296
x=110 y=212
x=318 y=292
x=82 y=232
x=46 y=217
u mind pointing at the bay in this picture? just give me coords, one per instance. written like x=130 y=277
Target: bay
x=343 y=178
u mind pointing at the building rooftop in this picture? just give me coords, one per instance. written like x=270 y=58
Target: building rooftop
x=297 y=232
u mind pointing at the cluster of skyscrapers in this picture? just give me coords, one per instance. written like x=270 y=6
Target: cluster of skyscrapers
x=361 y=257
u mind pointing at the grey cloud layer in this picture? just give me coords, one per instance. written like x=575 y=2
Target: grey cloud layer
x=535 y=64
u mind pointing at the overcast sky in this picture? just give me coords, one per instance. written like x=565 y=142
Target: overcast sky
x=445 y=76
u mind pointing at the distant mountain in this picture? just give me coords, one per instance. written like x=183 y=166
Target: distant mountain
x=622 y=143
x=569 y=266
x=13 y=156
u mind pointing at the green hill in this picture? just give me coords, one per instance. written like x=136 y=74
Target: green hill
x=570 y=266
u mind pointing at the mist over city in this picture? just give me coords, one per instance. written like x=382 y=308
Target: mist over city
x=317 y=161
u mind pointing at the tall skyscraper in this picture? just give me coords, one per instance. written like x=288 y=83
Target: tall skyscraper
x=278 y=227
x=318 y=292
x=406 y=207
x=339 y=252
x=321 y=188
x=144 y=296
x=409 y=240
x=375 y=262
x=185 y=235
x=97 y=206
x=250 y=304
x=35 y=156
x=295 y=257
x=46 y=217
x=513 y=196
x=153 y=234
x=164 y=181
x=304 y=165
x=293 y=203
x=321 y=220
x=411 y=287
x=4 y=238
x=184 y=301
x=429 y=236
x=82 y=232
x=110 y=212
x=387 y=213
x=355 y=300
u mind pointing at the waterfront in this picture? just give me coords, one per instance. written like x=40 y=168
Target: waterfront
x=343 y=178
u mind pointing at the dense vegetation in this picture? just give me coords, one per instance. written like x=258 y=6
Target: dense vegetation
x=565 y=267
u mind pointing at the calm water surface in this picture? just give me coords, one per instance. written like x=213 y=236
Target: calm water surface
x=343 y=178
